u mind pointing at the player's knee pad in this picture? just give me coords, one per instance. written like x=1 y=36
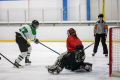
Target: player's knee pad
x=23 y=54
x=29 y=49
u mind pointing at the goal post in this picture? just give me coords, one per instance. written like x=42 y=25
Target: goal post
x=110 y=51
x=114 y=51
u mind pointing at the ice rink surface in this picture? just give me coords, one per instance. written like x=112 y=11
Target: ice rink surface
x=41 y=57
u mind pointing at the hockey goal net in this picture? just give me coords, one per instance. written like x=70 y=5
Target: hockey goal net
x=114 y=51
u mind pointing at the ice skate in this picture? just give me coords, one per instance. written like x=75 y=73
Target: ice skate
x=106 y=55
x=93 y=54
x=17 y=64
x=27 y=62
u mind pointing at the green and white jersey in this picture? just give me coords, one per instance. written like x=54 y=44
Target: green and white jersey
x=28 y=32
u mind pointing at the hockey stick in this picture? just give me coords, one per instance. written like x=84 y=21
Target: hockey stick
x=59 y=53
x=9 y=60
x=49 y=48
x=89 y=45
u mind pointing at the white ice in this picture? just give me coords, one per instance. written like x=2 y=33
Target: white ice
x=41 y=57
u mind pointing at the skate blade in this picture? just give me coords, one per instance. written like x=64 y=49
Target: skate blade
x=27 y=64
x=22 y=66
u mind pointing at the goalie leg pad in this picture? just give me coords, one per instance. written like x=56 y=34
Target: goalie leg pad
x=55 y=71
x=59 y=58
x=86 y=66
x=58 y=65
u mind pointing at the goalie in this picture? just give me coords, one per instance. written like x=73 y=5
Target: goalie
x=73 y=58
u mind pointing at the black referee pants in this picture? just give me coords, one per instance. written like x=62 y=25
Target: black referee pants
x=103 y=40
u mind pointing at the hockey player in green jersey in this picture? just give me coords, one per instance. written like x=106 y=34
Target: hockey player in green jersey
x=26 y=32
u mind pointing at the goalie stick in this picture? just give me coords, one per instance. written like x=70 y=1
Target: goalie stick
x=8 y=60
x=89 y=45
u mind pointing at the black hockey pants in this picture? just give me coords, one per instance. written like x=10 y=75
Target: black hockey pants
x=103 y=40
x=22 y=43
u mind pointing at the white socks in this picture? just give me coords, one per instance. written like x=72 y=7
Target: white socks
x=29 y=51
x=21 y=56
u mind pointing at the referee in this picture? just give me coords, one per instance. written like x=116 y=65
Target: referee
x=100 y=33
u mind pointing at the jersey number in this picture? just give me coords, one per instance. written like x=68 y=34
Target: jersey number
x=24 y=30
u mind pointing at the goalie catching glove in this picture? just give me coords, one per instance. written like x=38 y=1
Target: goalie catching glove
x=36 y=41
x=79 y=53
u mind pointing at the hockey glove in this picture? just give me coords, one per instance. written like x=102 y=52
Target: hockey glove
x=79 y=53
x=36 y=41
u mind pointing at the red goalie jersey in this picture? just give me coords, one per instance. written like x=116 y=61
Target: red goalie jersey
x=72 y=42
